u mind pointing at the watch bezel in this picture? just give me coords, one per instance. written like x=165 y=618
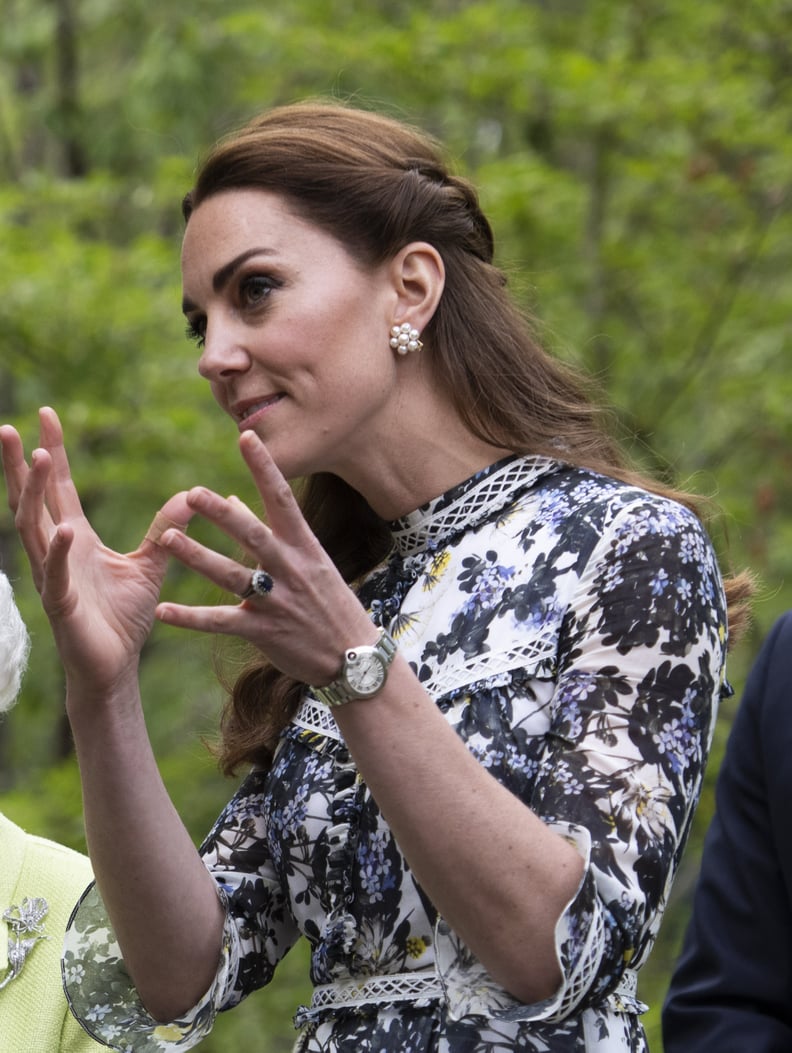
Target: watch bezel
x=357 y=662
x=342 y=690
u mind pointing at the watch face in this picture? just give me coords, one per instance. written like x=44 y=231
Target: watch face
x=365 y=671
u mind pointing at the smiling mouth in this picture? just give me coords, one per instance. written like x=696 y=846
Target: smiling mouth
x=256 y=407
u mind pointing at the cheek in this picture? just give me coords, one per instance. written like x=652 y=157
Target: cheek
x=363 y=309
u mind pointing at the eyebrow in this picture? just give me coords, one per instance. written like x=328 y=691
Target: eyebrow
x=223 y=274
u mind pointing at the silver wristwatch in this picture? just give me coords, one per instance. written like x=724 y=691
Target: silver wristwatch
x=363 y=673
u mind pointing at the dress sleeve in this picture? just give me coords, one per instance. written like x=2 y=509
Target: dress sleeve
x=638 y=677
x=258 y=931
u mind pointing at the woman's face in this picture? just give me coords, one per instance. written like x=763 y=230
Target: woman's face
x=293 y=333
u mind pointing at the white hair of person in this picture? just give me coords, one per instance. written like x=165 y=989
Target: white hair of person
x=14 y=646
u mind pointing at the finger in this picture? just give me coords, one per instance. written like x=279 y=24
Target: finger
x=33 y=521
x=15 y=467
x=235 y=519
x=57 y=578
x=62 y=498
x=230 y=621
x=175 y=514
x=283 y=512
x=159 y=524
x=226 y=573
x=32 y=534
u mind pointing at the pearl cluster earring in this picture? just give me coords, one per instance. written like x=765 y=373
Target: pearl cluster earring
x=404 y=339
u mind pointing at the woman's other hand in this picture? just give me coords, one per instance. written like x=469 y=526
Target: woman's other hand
x=100 y=603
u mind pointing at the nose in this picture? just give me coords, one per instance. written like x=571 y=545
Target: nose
x=223 y=354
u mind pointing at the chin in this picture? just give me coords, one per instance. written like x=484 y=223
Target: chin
x=295 y=463
x=288 y=465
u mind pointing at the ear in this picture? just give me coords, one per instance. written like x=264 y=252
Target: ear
x=418 y=276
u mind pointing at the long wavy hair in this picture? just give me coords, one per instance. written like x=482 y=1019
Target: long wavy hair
x=376 y=184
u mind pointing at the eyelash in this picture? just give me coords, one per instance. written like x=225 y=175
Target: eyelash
x=196 y=330
x=257 y=280
x=192 y=332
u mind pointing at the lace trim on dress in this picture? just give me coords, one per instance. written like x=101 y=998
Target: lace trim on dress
x=489 y=670
x=419 y=988
x=469 y=503
x=314 y=716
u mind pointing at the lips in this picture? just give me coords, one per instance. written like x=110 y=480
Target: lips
x=245 y=410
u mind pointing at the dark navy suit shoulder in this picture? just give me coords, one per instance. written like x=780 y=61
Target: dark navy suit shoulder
x=732 y=987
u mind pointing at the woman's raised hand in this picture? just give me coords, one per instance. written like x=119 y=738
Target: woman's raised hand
x=100 y=603
x=310 y=616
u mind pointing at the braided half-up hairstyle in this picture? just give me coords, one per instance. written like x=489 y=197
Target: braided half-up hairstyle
x=377 y=184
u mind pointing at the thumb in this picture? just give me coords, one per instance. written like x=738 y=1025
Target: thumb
x=175 y=514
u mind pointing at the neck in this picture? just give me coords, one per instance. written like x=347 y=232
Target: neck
x=400 y=484
x=415 y=449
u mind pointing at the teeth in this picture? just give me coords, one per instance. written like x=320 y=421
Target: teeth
x=256 y=407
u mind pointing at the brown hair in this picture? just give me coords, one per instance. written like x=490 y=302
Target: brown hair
x=376 y=184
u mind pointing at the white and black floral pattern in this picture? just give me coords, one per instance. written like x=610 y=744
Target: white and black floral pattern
x=572 y=629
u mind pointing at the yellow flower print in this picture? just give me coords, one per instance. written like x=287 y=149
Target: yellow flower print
x=402 y=623
x=415 y=946
x=168 y=1032
x=436 y=568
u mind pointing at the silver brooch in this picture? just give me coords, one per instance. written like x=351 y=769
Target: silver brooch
x=27 y=929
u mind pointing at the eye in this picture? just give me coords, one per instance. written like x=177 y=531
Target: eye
x=196 y=330
x=255 y=289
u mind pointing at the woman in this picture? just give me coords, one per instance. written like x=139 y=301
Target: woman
x=473 y=772
x=39 y=883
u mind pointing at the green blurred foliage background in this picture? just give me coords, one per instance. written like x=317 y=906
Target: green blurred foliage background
x=635 y=158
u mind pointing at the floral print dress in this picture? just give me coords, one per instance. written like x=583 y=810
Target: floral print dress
x=572 y=630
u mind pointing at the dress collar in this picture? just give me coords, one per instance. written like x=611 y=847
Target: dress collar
x=469 y=503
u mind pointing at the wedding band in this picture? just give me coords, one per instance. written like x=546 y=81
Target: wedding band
x=260 y=585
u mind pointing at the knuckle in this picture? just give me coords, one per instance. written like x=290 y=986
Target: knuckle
x=282 y=493
x=253 y=536
x=218 y=620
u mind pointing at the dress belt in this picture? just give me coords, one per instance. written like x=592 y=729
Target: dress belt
x=388 y=987
x=411 y=987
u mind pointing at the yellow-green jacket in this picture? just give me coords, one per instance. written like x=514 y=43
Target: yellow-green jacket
x=34 y=1015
